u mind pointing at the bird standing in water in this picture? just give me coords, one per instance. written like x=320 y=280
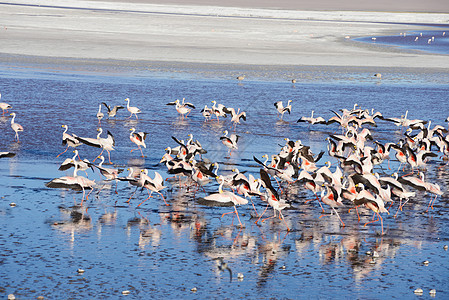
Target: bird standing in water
x=16 y=127
x=138 y=138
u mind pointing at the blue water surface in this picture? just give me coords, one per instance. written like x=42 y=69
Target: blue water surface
x=158 y=251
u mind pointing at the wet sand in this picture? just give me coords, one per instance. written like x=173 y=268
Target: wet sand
x=142 y=33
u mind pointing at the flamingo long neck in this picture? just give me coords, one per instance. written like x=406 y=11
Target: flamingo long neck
x=13 y=117
x=312 y=114
x=132 y=132
x=100 y=131
x=74 y=156
x=216 y=170
x=220 y=188
x=66 y=128
x=75 y=170
x=102 y=161
x=99 y=108
x=266 y=160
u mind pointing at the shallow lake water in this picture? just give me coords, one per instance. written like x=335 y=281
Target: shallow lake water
x=158 y=251
x=432 y=41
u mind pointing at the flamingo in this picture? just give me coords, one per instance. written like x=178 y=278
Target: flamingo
x=132 y=109
x=73 y=182
x=227 y=197
x=104 y=143
x=281 y=109
x=311 y=120
x=332 y=199
x=207 y=113
x=112 y=112
x=231 y=141
x=183 y=108
x=68 y=140
x=154 y=185
x=16 y=126
x=100 y=115
x=236 y=116
x=138 y=139
x=108 y=173
x=4 y=106
x=219 y=110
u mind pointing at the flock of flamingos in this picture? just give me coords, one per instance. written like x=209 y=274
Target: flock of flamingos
x=352 y=183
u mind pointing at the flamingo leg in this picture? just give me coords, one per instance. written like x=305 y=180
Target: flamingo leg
x=63 y=151
x=399 y=207
x=82 y=199
x=233 y=212
x=430 y=203
x=262 y=213
x=274 y=216
x=338 y=216
x=141 y=151
x=132 y=195
x=283 y=219
x=149 y=196
x=373 y=221
x=163 y=199
x=254 y=207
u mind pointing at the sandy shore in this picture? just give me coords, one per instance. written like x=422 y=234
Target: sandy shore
x=141 y=32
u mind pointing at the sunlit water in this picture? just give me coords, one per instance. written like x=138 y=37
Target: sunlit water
x=156 y=251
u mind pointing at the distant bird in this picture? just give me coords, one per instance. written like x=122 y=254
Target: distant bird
x=100 y=115
x=4 y=106
x=68 y=140
x=138 y=138
x=281 y=109
x=16 y=126
x=240 y=77
x=293 y=81
x=378 y=75
x=112 y=112
x=132 y=109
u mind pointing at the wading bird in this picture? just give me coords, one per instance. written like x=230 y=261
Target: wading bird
x=68 y=140
x=16 y=127
x=132 y=109
x=281 y=109
x=112 y=112
x=138 y=138
x=227 y=197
